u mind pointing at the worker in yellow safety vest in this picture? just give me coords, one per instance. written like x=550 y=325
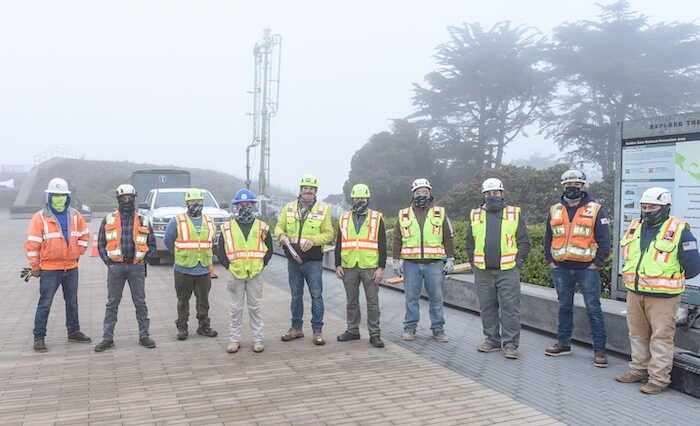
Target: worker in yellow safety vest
x=360 y=257
x=658 y=253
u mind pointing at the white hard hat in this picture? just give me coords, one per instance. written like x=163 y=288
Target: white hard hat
x=420 y=183
x=573 y=175
x=657 y=195
x=492 y=184
x=125 y=189
x=57 y=186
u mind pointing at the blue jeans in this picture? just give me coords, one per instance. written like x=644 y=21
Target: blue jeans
x=48 y=285
x=414 y=274
x=311 y=271
x=117 y=275
x=565 y=280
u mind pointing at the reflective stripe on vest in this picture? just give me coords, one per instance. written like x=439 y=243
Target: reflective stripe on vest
x=246 y=255
x=190 y=248
x=312 y=224
x=113 y=236
x=575 y=240
x=508 y=241
x=360 y=248
x=659 y=270
x=431 y=234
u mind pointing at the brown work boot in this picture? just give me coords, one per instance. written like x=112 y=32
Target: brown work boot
x=318 y=338
x=258 y=346
x=291 y=334
x=557 y=349
x=488 y=347
x=600 y=359
x=652 y=388
x=632 y=377
x=233 y=347
x=511 y=352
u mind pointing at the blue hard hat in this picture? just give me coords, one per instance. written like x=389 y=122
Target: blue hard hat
x=244 y=195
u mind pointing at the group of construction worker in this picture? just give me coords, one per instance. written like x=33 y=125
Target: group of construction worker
x=658 y=250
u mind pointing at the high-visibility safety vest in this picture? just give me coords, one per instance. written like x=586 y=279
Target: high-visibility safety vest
x=658 y=268
x=46 y=246
x=423 y=243
x=360 y=248
x=113 y=235
x=574 y=240
x=312 y=224
x=192 y=248
x=509 y=244
x=246 y=255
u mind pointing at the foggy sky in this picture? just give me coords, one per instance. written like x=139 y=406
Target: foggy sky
x=167 y=82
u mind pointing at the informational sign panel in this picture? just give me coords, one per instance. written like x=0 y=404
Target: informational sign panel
x=665 y=152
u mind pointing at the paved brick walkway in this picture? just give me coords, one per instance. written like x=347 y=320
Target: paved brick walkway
x=197 y=382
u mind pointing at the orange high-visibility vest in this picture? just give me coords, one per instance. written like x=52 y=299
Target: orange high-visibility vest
x=574 y=240
x=46 y=247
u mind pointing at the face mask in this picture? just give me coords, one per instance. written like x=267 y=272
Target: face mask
x=58 y=202
x=494 y=203
x=359 y=207
x=194 y=209
x=572 y=193
x=422 y=201
x=652 y=219
x=245 y=215
x=126 y=206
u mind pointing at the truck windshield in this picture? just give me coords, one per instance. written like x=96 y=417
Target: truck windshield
x=177 y=199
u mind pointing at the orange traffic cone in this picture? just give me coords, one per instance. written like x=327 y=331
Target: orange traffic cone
x=212 y=271
x=94 y=252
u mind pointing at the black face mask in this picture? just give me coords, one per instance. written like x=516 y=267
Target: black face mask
x=195 y=209
x=653 y=219
x=126 y=206
x=494 y=203
x=422 y=201
x=572 y=193
x=245 y=215
x=360 y=207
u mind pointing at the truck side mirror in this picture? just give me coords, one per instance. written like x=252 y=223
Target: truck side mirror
x=223 y=205
x=143 y=206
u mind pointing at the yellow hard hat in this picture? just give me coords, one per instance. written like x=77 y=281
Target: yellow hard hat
x=309 y=180
x=194 y=194
x=360 y=191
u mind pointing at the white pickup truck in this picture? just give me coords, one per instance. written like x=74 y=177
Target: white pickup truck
x=163 y=204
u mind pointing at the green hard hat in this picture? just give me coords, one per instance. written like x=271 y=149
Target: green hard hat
x=309 y=180
x=194 y=194
x=360 y=191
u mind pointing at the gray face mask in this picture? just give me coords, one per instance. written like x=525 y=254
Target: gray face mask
x=652 y=219
x=245 y=215
x=494 y=203
x=422 y=201
x=195 y=209
x=359 y=207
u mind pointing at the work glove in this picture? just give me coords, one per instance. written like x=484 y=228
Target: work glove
x=26 y=274
x=449 y=266
x=398 y=267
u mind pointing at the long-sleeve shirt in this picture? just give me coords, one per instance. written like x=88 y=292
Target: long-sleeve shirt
x=420 y=214
x=245 y=229
x=128 y=246
x=358 y=220
x=601 y=232
x=169 y=241
x=319 y=240
x=492 y=245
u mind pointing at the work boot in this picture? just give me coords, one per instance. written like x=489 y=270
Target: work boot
x=79 y=337
x=207 y=331
x=632 y=377
x=104 y=345
x=557 y=350
x=409 y=335
x=182 y=334
x=233 y=347
x=39 y=345
x=258 y=346
x=600 y=359
x=376 y=341
x=652 y=388
x=440 y=336
x=291 y=334
x=348 y=336
x=147 y=342
x=318 y=338
x=488 y=347
x=511 y=352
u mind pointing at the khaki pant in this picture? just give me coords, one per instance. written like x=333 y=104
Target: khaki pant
x=652 y=327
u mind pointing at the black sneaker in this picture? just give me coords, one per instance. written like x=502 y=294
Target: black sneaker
x=147 y=342
x=39 y=345
x=207 y=331
x=376 y=341
x=79 y=337
x=182 y=334
x=104 y=345
x=348 y=336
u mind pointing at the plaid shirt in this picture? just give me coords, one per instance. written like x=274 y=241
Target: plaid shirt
x=127 y=244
